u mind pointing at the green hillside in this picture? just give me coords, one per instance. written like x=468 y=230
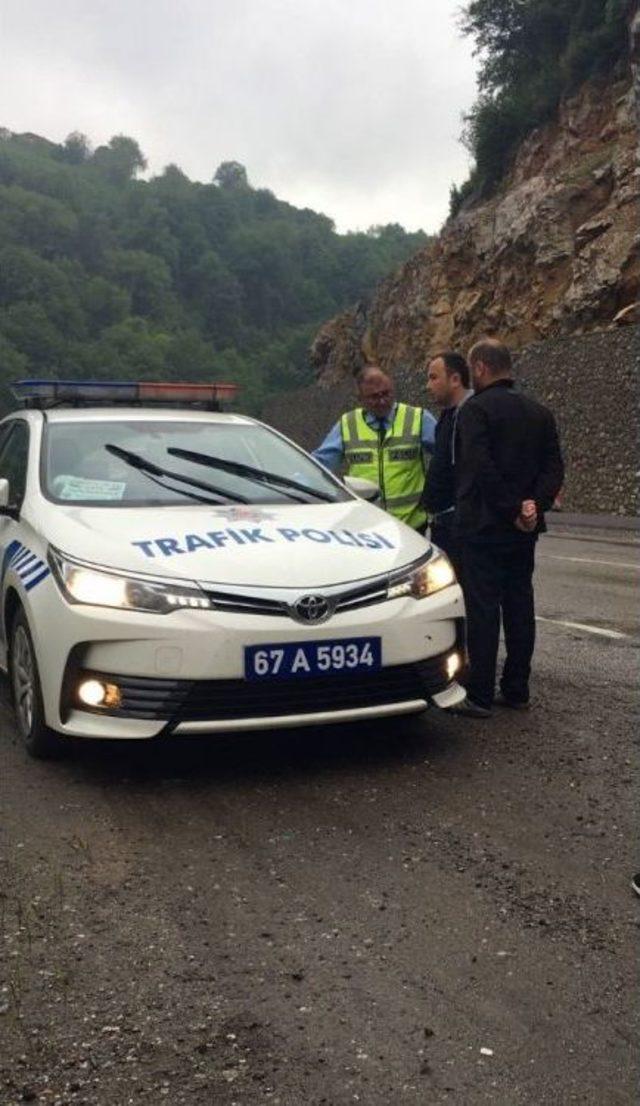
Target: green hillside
x=532 y=53
x=107 y=276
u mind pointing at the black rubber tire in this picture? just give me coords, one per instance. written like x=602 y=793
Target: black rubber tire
x=26 y=693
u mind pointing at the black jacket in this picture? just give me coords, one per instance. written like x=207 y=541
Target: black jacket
x=507 y=450
x=439 y=489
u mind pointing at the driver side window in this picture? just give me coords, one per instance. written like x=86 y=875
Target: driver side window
x=14 y=452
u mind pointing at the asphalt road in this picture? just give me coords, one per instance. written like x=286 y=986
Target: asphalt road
x=430 y=911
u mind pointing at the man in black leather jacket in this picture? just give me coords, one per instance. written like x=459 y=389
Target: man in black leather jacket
x=509 y=470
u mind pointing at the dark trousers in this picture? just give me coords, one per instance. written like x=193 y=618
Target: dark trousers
x=443 y=535
x=497 y=579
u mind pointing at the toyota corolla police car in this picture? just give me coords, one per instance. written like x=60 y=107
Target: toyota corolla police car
x=169 y=569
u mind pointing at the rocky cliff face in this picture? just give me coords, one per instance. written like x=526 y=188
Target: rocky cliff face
x=555 y=253
x=589 y=380
x=547 y=265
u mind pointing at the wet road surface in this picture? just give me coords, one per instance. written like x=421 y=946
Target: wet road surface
x=425 y=911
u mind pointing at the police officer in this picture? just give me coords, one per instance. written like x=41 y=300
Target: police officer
x=448 y=387
x=508 y=472
x=386 y=442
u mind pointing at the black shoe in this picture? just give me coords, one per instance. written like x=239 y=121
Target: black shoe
x=471 y=710
x=635 y=883
x=514 y=704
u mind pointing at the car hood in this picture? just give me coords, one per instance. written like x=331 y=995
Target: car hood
x=298 y=546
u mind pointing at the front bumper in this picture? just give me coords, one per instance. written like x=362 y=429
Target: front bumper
x=184 y=673
x=197 y=706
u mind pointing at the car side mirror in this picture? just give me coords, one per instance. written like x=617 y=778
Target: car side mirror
x=364 y=489
x=5 y=508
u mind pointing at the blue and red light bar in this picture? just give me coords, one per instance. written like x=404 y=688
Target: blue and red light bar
x=53 y=393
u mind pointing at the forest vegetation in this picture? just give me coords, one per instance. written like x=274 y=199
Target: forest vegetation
x=532 y=54
x=105 y=275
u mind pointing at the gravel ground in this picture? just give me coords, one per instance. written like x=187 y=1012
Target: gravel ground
x=430 y=911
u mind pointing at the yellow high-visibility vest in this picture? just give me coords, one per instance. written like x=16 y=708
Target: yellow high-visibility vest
x=394 y=460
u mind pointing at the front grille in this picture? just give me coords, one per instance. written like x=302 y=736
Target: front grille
x=362 y=597
x=374 y=591
x=176 y=701
x=246 y=604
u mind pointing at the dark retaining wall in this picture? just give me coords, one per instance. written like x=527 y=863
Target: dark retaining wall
x=592 y=384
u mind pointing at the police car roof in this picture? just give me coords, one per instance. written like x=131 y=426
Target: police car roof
x=140 y=414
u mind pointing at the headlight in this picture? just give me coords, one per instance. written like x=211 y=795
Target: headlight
x=432 y=576
x=83 y=584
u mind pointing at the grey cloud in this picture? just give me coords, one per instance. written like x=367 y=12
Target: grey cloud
x=351 y=109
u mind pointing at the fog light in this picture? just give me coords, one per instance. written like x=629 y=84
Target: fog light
x=92 y=693
x=95 y=693
x=453 y=665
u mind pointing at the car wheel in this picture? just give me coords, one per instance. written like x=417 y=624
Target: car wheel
x=38 y=739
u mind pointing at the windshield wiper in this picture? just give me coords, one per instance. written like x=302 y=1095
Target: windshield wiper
x=154 y=471
x=236 y=468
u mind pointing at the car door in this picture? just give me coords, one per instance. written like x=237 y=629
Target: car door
x=14 y=453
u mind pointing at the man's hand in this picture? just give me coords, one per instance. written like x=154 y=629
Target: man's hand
x=527 y=520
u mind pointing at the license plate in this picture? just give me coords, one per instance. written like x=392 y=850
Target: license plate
x=295 y=659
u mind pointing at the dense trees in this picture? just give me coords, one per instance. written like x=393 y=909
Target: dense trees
x=105 y=275
x=120 y=160
x=231 y=175
x=532 y=52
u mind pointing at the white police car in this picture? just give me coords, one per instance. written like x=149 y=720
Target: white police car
x=172 y=570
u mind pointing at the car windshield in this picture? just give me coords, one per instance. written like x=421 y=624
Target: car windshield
x=143 y=463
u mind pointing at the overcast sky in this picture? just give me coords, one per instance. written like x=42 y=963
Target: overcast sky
x=350 y=107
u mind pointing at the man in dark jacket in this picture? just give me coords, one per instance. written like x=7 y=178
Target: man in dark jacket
x=508 y=472
x=448 y=386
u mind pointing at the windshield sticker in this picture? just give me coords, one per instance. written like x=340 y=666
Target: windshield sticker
x=77 y=487
x=218 y=539
x=25 y=564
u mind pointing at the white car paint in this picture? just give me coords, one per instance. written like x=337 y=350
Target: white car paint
x=274 y=553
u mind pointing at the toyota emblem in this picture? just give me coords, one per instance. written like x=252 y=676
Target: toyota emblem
x=312 y=608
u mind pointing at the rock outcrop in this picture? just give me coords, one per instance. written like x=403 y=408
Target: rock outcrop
x=556 y=252
x=551 y=264
x=591 y=382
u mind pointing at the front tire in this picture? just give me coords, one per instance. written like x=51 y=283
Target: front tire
x=37 y=738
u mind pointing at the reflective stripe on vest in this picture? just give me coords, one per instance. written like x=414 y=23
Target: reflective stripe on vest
x=396 y=463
